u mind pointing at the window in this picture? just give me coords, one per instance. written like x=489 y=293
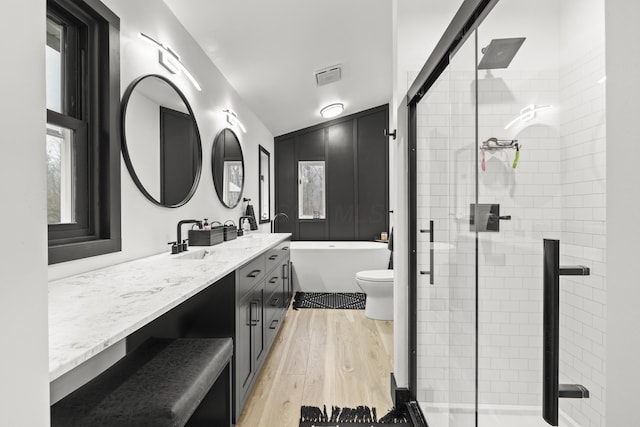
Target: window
x=311 y=190
x=82 y=143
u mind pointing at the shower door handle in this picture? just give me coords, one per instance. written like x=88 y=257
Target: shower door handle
x=431 y=253
x=551 y=389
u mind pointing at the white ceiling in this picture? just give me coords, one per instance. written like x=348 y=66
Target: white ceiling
x=269 y=51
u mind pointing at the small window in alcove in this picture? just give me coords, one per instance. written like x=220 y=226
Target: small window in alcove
x=311 y=190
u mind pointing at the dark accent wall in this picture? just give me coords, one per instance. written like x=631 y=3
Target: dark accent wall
x=356 y=155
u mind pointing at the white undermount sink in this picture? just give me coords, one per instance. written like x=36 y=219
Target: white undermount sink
x=197 y=255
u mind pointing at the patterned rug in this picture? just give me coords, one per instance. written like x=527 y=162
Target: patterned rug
x=336 y=300
x=312 y=416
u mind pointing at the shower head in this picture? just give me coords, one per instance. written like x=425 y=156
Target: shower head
x=499 y=53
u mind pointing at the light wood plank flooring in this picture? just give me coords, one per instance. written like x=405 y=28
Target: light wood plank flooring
x=332 y=357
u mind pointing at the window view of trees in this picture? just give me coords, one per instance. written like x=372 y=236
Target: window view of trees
x=311 y=193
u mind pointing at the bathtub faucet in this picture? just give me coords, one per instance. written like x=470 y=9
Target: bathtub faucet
x=276 y=216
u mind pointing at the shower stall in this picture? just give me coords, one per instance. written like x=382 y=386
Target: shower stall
x=507 y=190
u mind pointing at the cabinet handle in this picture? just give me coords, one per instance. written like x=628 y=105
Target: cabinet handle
x=286 y=248
x=254 y=273
x=274 y=324
x=252 y=321
x=285 y=271
x=272 y=257
x=273 y=280
x=274 y=302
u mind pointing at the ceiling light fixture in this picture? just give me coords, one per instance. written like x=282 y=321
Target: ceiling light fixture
x=232 y=119
x=170 y=59
x=527 y=113
x=332 y=110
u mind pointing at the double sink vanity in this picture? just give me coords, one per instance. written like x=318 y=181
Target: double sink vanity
x=239 y=289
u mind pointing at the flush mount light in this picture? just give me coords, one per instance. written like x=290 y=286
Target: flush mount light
x=332 y=110
x=527 y=113
x=170 y=59
x=232 y=119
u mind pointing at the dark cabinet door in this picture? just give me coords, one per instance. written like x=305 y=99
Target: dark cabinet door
x=259 y=333
x=244 y=344
x=287 y=291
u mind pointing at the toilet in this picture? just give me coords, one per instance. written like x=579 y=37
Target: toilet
x=378 y=285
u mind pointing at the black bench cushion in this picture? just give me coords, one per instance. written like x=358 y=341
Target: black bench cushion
x=159 y=384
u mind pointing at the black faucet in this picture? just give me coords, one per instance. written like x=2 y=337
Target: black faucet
x=276 y=216
x=182 y=246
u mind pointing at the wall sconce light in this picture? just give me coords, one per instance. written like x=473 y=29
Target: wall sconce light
x=232 y=119
x=169 y=59
x=527 y=113
x=332 y=110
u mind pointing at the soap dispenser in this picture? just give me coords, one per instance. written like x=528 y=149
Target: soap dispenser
x=246 y=226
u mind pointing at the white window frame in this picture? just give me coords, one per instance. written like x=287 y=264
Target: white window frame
x=323 y=214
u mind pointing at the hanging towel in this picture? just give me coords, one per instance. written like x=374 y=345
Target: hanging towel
x=252 y=217
x=390 y=246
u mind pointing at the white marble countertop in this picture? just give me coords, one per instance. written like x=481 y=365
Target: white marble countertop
x=92 y=311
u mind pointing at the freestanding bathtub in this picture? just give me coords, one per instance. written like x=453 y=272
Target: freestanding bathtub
x=332 y=266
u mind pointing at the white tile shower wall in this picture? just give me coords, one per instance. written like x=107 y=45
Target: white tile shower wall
x=582 y=309
x=510 y=261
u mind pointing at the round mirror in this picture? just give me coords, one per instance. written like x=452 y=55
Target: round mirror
x=227 y=166
x=160 y=141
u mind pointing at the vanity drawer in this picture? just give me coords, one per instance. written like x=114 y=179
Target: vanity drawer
x=273 y=315
x=250 y=274
x=276 y=255
x=272 y=328
x=273 y=281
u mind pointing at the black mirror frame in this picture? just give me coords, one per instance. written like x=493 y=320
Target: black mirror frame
x=125 y=151
x=213 y=164
x=261 y=150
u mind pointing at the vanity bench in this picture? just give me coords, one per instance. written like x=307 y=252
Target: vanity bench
x=162 y=383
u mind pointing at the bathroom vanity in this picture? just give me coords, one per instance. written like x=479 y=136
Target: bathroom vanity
x=239 y=289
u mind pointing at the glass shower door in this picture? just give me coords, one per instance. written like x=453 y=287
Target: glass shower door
x=446 y=385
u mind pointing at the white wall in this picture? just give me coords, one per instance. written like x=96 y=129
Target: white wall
x=623 y=205
x=24 y=370
x=147 y=228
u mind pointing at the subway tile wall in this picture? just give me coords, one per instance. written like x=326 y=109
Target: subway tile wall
x=582 y=241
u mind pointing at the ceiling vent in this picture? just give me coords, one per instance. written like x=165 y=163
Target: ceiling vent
x=328 y=75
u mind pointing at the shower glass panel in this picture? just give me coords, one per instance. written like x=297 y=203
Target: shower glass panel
x=510 y=153
x=446 y=298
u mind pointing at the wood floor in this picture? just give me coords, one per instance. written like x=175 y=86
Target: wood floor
x=332 y=357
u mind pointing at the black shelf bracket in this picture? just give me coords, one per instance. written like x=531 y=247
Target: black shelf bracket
x=551 y=389
x=573 y=391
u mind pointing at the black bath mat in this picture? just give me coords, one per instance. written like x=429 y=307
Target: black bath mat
x=313 y=416
x=341 y=300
